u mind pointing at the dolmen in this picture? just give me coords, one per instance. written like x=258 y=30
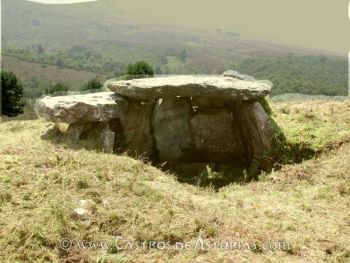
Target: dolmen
x=173 y=119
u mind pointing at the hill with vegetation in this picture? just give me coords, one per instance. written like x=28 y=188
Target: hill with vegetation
x=37 y=77
x=296 y=213
x=97 y=37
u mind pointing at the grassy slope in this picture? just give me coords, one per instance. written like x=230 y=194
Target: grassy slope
x=305 y=204
x=45 y=74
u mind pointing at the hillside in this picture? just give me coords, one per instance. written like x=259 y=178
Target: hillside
x=100 y=38
x=300 y=211
x=36 y=77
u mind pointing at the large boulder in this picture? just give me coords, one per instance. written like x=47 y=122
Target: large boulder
x=102 y=106
x=190 y=86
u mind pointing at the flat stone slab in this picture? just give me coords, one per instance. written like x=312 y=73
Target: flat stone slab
x=191 y=86
x=101 y=106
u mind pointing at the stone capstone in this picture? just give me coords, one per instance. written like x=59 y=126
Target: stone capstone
x=102 y=106
x=190 y=86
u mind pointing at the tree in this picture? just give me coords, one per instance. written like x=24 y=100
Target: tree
x=11 y=94
x=92 y=84
x=140 y=69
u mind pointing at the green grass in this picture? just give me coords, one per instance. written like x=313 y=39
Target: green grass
x=306 y=205
x=314 y=125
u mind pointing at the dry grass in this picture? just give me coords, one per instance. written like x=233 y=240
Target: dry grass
x=305 y=205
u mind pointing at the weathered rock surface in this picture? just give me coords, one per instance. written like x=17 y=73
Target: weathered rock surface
x=190 y=86
x=260 y=127
x=74 y=130
x=96 y=135
x=137 y=129
x=216 y=137
x=236 y=75
x=101 y=106
x=256 y=128
x=172 y=129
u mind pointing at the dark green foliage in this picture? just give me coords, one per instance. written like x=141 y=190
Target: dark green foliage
x=300 y=74
x=11 y=94
x=78 y=58
x=40 y=49
x=59 y=63
x=32 y=88
x=92 y=85
x=140 y=69
x=58 y=87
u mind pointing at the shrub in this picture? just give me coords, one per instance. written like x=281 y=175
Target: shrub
x=58 y=87
x=140 y=69
x=92 y=84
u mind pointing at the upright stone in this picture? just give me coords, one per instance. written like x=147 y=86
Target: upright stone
x=172 y=129
x=216 y=137
x=137 y=129
x=75 y=130
x=256 y=128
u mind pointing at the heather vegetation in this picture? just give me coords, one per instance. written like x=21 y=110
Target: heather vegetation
x=315 y=75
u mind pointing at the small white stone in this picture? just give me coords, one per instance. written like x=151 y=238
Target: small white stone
x=81 y=212
x=86 y=203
